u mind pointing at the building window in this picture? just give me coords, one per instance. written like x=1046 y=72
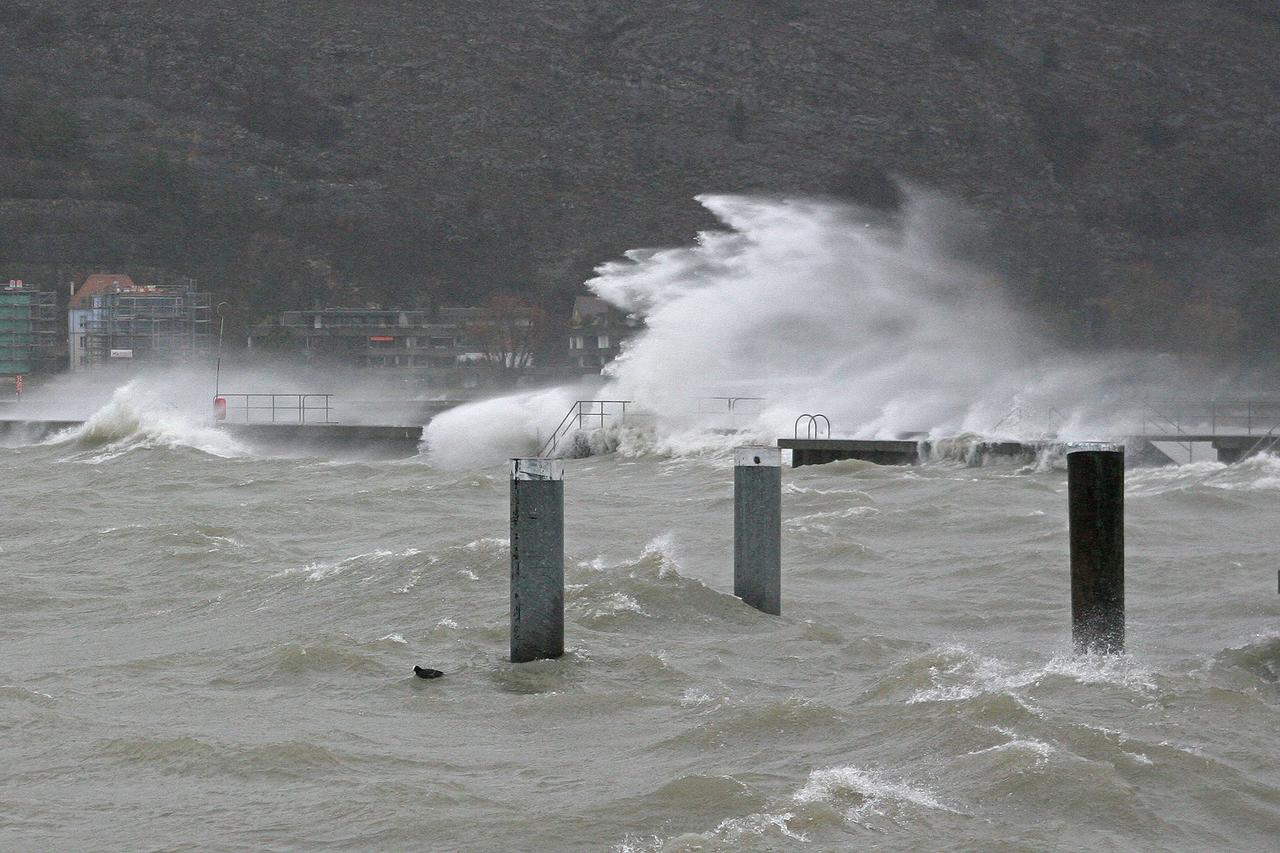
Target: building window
x=577 y=342
x=602 y=342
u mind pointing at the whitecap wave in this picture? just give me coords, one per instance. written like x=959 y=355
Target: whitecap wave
x=139 y=417
x=864 y=791
x=962 y=674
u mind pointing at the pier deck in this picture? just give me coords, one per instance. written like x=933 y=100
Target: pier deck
x=1139 y=449
x=819 y=451
x=1229 y=448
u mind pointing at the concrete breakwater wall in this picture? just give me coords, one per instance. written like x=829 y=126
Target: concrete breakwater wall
x=14 y=433
x=382 y=442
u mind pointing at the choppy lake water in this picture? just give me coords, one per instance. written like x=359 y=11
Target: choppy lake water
x=208 y=648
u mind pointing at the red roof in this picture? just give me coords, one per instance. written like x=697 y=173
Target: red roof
x=100 y=282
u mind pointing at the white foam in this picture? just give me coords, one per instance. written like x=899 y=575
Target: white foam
x=318 y=570
x=140 y=415
x=634 y=844
x=736 y=828
x=614 y=604
x=1017 y=743
x=488 y=543
x=692 y=697
x=663 y=548
x=875 y=791
x=970 y=675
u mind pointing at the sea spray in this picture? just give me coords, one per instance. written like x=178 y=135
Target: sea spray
x=809 y=305
x=141 y=416
x=488 y=431
x=817 y=307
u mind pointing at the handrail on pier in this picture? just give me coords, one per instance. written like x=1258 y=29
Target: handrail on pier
x=1212 y=417
x=284 y=408
x=581 y=413
x=731 y=404
x=596 y=413
x=811 y=427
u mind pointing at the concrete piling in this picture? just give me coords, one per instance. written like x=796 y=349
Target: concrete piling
x=1095 y=497
x=757 y=527
x=537 y=559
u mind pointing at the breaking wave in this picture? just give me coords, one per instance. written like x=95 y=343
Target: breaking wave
x=136 y=418
x=802 y=306
x=1259 y=473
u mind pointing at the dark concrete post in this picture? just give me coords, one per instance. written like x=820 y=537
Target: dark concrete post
x=757 y=527
x=537 y=559
x=1095 y=497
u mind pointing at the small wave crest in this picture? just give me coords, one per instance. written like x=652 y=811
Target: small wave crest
x=862 y=792
x=955 y=673
x=829 y=796
x=649 y=587
x=1260 y=659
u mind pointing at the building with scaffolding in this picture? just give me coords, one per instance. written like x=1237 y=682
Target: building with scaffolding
x=28 y=333
x=113 y=321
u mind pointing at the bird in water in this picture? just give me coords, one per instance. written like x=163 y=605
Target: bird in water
x=423 y=672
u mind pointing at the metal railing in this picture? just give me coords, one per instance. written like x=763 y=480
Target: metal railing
x=728 y=405
x=1046 y=415
x=1212 y=417
x=597 y=414
x=1266 y=443
x=279 y=408
x=583 y=414
x=1156 y=418
x=811 y=426
x=729 y=412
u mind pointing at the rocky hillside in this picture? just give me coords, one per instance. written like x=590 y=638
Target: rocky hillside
x=1124 y=155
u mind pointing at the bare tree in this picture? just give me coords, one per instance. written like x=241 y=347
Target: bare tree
x=505 y=333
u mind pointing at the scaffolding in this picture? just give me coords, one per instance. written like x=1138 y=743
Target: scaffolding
x=155 y=325
x=28 y=332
